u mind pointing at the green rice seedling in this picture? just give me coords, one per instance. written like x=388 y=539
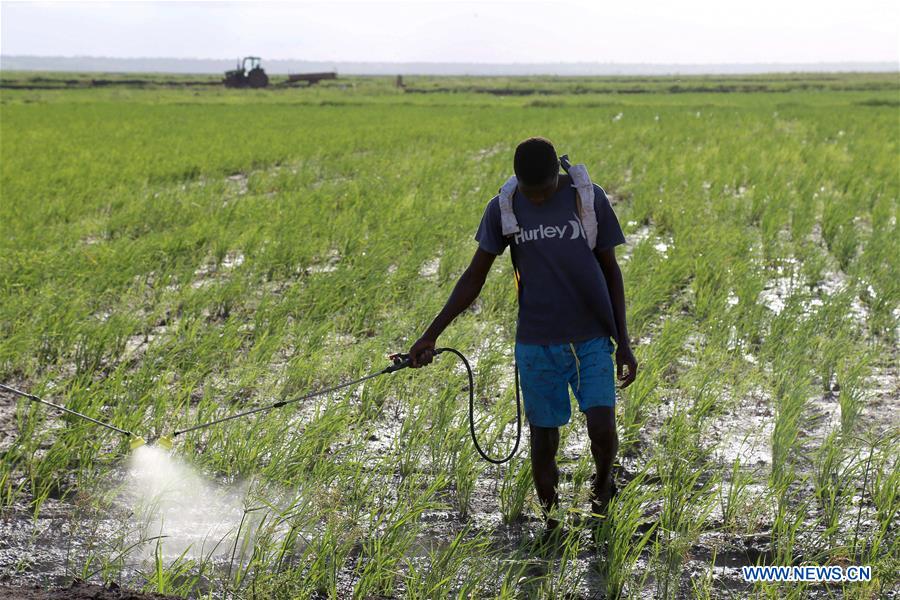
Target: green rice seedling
x=252 y=556
x=852 y=372
x=875 y=268
x=101 y=547
x=652 y=286
x=832 y=475
x=839 y=230
x=705 y=388
x=514 y=577
x=625 y=534
x=514 y=489
x=859 y=510
x=787 y=591
x=866 y=546
x=498 y=436
x=702 y=586
x=687 y=502
x=774 y=220
x=411 y=443
x=788 y=414
x=885 y=481
x=581 y=475
x=306 y=445
x=790 y=517
x=877 y=551
x=803 y=219
x=379 y=560
x=734 y=496
x=391 y=533
x=835 y=335
x=443 y=438
x=7 y=493
x=813 y=261
x=327 y=553
x=867 y=543
x=793 y=351
x=287 y=583
x=288 y=544
x=563 y=576
x=466 y=468
x=447 y=568
x=570 y=574
x=176 y=578
x=354 y=482
x=656 y=362
x=749 y=284
x=709 y=286
x=110 y=567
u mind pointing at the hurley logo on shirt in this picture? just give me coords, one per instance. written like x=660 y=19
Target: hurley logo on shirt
x=551 y=231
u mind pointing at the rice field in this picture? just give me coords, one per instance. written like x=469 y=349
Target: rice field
x=173 y=255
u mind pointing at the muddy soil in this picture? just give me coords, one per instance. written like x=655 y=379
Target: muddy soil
x=77 y=591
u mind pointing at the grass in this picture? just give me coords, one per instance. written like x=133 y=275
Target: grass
x=174 y=254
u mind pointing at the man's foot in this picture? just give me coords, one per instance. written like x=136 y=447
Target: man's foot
x=600 y=498
x=599 y=512
x=600 y=505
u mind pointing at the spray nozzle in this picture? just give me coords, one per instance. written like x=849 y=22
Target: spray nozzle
x=165 y=442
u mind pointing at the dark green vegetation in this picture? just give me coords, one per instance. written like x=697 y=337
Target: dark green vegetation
x=172 y=254
x=502 y=86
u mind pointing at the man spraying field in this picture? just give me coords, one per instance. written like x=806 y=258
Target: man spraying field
x=562 y=234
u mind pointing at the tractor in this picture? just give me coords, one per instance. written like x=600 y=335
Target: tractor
x=247 y=74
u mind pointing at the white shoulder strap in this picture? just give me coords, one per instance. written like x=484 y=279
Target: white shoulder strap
x=507 y=216
x=584 y=187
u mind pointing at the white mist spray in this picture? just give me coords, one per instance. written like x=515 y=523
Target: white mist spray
x=170 y=498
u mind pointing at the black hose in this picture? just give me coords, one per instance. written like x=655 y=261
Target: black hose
x=496 y=461
x=400 y=361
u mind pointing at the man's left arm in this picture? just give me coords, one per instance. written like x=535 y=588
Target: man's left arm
x=616 y=286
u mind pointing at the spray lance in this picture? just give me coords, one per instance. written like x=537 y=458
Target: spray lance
x=136 y=440
x=398 y=361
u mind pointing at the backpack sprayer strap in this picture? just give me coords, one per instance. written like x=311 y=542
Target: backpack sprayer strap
x=508 y=221
x=584 y=201
x=584 y=198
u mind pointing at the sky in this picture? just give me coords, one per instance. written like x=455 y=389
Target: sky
x=627 y=31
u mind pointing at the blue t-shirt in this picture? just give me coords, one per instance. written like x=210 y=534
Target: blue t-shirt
x=562 y=291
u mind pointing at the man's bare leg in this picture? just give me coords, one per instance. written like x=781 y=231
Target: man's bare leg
x=544 y=444
x=601 y=424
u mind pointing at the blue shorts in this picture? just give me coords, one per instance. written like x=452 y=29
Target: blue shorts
x=547 y=370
